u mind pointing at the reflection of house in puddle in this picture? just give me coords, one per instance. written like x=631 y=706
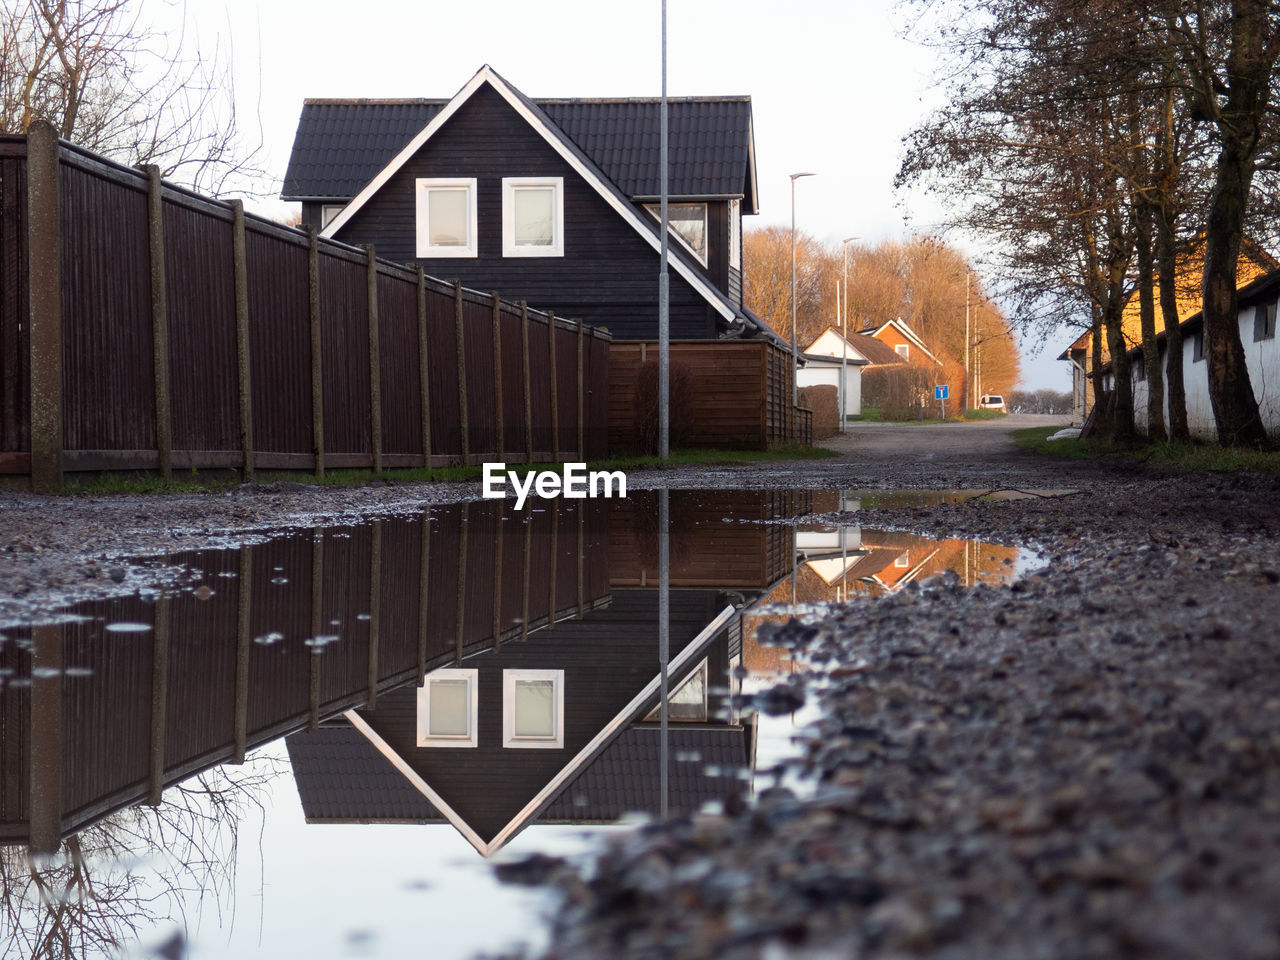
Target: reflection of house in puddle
x=562 y=727
x=551 y=729
x=833 y=564
x=538 y=631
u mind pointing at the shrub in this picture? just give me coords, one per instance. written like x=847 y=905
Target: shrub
x=680 y=387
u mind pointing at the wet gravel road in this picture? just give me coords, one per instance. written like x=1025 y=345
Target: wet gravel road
x=1085 y=764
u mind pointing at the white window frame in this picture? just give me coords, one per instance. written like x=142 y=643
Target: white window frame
x=656 y=210
x=735 y=234
x=903 y=350
x=422 y=191
x=509 y=246
x=509 y=738
x=328 y=211
x=425 y=739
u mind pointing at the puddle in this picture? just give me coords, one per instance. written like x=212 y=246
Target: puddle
x=316 y=797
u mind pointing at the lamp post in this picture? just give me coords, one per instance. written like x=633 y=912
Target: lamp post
x=795 y=356
x=844 y=347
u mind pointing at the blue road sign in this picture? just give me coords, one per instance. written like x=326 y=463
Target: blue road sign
x=940 y=392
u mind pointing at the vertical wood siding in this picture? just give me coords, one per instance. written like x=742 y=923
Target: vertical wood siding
x=110 y=372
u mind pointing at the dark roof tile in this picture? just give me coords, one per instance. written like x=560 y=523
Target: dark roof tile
x=341 y=145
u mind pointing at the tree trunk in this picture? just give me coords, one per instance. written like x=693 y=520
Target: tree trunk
x=1095 y=357
x=1147 y=314
x=1122 y=430
x=1230 y=391
x=1166 y=268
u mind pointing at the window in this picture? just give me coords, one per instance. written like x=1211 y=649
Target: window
x=1139 y=371
x=1264 y=322
x=533 y=709
x=1197 y=347
x=328 y=211
x=903 y=350
x=689 y=223
x=447 y=709
x=735 y=234
x=902 y=560
x=533 y=217
x=688 y=702
x=447 y=217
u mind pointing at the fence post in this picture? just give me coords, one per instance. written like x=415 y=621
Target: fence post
x=375 y=611
x=159 y=698
x=497 y=583
x=375 y=360
x=317 y=626
x=424 y=594
x=159 y=325
x=582 y=391
x=240 y=259
x=528 y=387
x=462 y=373
x=497 y=375
x=317 y=348
x=424 y=376
x=459 y=635
x=555 y=406
x=44 y=801
x=44 y=305
x=244 y=607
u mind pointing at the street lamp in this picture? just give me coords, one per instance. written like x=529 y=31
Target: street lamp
x=795 y=356
x=844 y=348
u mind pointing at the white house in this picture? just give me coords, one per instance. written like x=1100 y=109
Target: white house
x=822 y=365
x=1258 y=307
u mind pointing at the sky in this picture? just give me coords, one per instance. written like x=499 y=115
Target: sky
x=834 y=85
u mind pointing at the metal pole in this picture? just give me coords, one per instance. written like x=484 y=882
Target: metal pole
x=844 y=334
x=840 y=392
x=968 y=395
x=795 y=362
x=664 y=641
x=664 y=288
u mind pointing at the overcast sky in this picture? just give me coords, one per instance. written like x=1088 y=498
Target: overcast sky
x=834 y=85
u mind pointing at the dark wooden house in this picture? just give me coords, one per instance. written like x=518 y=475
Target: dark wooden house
x=549 y=201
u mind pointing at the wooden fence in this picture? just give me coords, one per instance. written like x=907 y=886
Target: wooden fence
x=143 y=326
x=740 y=394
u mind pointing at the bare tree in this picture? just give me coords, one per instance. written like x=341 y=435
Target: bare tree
x=112 y=84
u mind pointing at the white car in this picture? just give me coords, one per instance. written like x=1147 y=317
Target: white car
x=992 y=401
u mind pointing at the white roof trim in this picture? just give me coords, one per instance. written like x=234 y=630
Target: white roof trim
x=530 y=810
x=412 y=776
x=623 y=207
x=901 y=326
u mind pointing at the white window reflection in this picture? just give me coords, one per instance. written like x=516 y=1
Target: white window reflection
x=533 y=708
x=447 y=709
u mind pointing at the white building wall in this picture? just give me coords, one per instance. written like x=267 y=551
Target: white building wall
x=816 y=373
x=1263 y=359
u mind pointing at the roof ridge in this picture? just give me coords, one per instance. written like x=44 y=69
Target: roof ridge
x=371 y=101
x=425 y=101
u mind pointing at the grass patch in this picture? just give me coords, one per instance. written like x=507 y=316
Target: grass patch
x=143 y=483
x=1181 y=457
x=972 y=414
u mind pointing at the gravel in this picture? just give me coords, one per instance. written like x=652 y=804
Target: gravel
x=1084 y=764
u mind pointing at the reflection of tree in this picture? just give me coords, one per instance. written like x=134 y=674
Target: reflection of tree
x=132 y=870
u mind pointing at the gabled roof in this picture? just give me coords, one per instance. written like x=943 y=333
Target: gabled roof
x=876 y=351
x=341 y=145
x=572 y=154
x=827 y=346
x=342 y=778
x=901 y=326
x=640 y=704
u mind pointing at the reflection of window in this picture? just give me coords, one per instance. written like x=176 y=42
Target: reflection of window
x=533 y=217
x=533 y=708
x=688 y=222
x=447 y=709
x=447 y=217
x=688 y=702
x=904 y=560
x=328 y=211
x=1197 y=348
x=904 y=350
